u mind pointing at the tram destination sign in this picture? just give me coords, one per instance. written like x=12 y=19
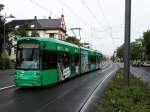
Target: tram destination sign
x=28 y=45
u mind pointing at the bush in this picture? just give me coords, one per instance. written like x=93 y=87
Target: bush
x=120 y=98
x=7 y=64
x=12 y=64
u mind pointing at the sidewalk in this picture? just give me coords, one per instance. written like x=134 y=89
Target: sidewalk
x=141 y=72
x=6 y=77
x=7 y=71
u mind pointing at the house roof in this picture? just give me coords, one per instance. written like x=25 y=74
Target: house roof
x=40 y=24
x=49 y=23
x=14 y=23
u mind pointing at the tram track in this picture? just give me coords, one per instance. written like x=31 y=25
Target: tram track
x=76 y=89
x=105 y=67
x=51 y=97
x=7 y=87
x=91 y=94
x=24 y=96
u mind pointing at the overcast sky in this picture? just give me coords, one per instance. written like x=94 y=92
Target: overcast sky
x=102 y=21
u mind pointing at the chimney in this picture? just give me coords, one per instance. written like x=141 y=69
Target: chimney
x=49 y=17
x=35 y=22
x=35 y=17
x=62 y=16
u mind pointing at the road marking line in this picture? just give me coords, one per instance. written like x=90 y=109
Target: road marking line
x=7 y=87
x=83 y=108
x=110 y=66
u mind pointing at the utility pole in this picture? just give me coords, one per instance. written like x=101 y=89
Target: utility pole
x=127 y=41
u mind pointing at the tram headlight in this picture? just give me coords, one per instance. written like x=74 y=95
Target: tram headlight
x=36 y=74
x=16 y=73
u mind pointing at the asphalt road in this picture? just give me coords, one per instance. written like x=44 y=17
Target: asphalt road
x=70 y=96
x=6 y=78
x=141 y=72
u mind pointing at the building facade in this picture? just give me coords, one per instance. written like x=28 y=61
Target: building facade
x=48 y=28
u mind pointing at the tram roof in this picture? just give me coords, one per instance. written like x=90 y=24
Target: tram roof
x=52 y=40
x=48 y=40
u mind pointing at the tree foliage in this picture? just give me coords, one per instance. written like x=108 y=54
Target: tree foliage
x=120 y=52
x=34 y=33
x=146 y=37
x=136 y=50
x=73 y=40
x=7 y=30
x=22 y=31
x=1 y=33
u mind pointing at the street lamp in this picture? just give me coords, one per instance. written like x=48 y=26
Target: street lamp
x=4 y=44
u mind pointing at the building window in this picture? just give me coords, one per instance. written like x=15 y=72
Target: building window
x=51 y=35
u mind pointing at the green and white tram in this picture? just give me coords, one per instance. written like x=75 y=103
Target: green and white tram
x=43 y=61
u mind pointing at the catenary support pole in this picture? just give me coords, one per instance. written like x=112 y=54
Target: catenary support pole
x=127 y=41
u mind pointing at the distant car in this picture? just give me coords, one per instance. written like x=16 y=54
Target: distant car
x=146 y=64
x=136 y=63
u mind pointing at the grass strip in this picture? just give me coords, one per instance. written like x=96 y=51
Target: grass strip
x=120 y=98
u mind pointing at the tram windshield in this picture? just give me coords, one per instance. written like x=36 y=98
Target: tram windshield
x=28 y=56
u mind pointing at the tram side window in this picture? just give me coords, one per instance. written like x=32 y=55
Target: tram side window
x=64 y=59
x=90 y=59
x=93 y=59
x=49 y=59
x=97 y=58
x=72 y=59
x=99 y=61
x=77 y=59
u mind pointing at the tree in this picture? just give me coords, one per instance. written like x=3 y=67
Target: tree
x=73 y=40
x=7 y=30
x=120 y=52
x=146 y=42
x=22 y=31
x=1 y=33
x=34 y=33
x=136 y=50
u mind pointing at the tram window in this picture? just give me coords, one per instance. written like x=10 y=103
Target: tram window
x=90 y=59
x=72 y=60
x=93 y=59
x=64 y=59
x=49 y=59
x=76 y=59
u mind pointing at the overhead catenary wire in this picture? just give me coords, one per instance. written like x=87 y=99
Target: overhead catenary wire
x=91 y=13
x=105 y=18
x=42 y=7
x=76 y=15
x=49 y=11
x=73 y=12
x=103 y=14
x=70 y=9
